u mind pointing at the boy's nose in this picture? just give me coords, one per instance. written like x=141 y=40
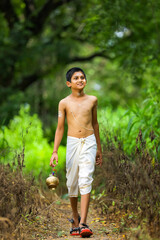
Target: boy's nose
x=80 y=80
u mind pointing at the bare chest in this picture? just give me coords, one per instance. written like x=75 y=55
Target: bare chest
x=80 y=109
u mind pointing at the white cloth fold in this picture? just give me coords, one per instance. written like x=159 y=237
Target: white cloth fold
x=80 y=164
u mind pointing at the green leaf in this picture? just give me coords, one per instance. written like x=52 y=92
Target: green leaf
x=131 y=124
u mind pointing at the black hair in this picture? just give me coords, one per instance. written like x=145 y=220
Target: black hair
x=71 y=71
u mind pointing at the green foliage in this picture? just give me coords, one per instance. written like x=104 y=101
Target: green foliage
x=25 y=131
x=111 y=123
x=40 y=40
x=125 y=125
x=35 y=43
x=125 y=30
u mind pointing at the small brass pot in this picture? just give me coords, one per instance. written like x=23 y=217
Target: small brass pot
x=52 y=182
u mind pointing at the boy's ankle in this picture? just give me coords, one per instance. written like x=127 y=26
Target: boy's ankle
x=75 y=215
x=81 y=223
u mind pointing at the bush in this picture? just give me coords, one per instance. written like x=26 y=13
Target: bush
x=124 y=125
x=132 y=186
x=26 y=210
x=19 y=197
x=25 y=133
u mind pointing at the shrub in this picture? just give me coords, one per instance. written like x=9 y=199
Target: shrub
x=25 y=133
x=124 y=125
x=132 y=186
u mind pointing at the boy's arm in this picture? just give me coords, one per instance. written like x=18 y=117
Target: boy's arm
x=96 y=132
x=59 y=132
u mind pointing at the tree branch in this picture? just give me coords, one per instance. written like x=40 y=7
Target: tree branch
x=83 y=59
x=29 y=7
x=7 y=8
x=27 y=81
x=39 y=20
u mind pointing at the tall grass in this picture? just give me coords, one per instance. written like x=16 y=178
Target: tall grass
x=25 y=133
x=125 y=124
x=131 y=152
x=131 y=189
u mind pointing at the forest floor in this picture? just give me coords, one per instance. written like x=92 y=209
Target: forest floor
x=52 y=223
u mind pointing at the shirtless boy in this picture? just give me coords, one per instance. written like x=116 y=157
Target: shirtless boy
x=83 y=146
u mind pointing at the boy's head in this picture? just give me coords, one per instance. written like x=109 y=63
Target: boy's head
x=71 y=71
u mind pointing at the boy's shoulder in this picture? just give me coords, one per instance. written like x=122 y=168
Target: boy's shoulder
x=63 y=101
x=92 y=98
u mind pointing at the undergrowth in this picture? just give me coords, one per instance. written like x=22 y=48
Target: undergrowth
x=25 y=131
x=132 y=187
x=23 y=205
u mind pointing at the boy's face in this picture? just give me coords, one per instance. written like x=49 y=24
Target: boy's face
x=78 y=81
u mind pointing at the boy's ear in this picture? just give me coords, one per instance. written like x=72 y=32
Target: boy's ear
x=68 y=84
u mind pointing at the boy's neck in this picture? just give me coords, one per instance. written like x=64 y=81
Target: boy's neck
x=77 y=94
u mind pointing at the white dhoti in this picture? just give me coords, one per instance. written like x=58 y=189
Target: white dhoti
x=80 y=164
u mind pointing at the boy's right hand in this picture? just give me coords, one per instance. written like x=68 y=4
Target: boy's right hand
x=53 y=158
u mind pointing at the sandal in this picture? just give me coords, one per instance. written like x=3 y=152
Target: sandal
x=72 y=220
x=75 y=230
x=85 y=231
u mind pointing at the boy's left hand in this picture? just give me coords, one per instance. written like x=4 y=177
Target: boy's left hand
x=99 y=158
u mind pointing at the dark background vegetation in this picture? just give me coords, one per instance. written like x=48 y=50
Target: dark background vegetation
x=117 y=43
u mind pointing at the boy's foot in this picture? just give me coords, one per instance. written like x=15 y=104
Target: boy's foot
x=85 y=231
x=75 y=230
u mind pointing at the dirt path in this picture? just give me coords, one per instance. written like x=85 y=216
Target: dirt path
x=51 y=223
x=98 y=223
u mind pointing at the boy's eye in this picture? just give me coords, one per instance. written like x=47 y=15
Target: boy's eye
x=81 y=77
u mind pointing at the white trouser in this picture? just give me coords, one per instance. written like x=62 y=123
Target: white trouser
x=80 y=164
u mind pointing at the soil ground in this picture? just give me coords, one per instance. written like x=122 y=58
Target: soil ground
x=98 y=224
x=52 y=223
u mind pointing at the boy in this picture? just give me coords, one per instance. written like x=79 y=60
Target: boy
x=83 y=146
